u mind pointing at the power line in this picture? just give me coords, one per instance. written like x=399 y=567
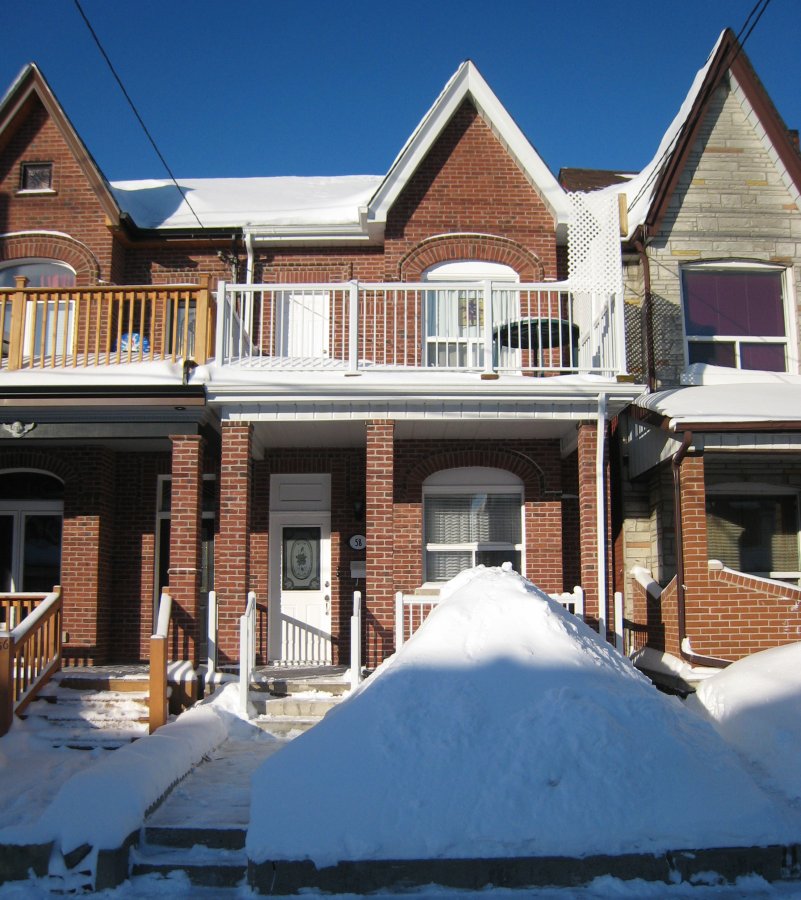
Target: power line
x=136 y=112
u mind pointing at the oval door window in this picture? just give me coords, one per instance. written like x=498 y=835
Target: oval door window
x=301 y=559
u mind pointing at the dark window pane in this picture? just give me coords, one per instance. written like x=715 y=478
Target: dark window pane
x=6 y=552
x=442 y=565
x=498 y=558
x=716 y=354
x=767 y=357
x=733 y=303
x=41 y=566
x=754 y=534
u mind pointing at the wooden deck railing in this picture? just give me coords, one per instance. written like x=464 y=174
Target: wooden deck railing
x=158 y=703
x=46 y=328
x=30 y=649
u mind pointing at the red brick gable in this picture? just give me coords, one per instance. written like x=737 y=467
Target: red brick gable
x=73 y=208
x=469 y=184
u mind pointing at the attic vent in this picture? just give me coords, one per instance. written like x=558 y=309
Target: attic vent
x=36 y=177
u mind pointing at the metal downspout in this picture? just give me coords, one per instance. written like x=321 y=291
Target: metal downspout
x=600 y=513
x=648 y=316
x=684 y=641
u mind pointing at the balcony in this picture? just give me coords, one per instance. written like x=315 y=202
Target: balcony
x=484 y=327
x=51 y=328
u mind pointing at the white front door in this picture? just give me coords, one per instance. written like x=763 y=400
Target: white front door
x=299 y=628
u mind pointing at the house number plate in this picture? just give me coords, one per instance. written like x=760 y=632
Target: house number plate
x=357 y=541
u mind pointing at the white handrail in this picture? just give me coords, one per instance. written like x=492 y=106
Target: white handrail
x=356 y=640
x=247 y=651
x=211 y=636
x=165 y=611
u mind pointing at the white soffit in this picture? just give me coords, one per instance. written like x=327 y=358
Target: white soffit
x=468 y=82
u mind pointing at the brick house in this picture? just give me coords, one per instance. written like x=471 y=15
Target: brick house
x=707 y=528
x=301 y=387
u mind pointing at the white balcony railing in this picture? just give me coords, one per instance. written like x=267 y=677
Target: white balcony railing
x=471 y=327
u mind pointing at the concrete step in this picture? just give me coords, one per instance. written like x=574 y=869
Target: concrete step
x=204 y=866
x=285 y=726
x=217 y=838
x=294 y=705
x=283 y=686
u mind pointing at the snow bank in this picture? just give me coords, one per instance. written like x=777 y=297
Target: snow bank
x=756 y=705
x=505 y=727
x=103 y=804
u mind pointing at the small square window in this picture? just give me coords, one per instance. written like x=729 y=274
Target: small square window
x=36 y=177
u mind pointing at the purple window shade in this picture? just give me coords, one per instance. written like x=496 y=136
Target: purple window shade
x=734 y=303
x=767 y=357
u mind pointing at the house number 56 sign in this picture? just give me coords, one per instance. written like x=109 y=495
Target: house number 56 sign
x=357 y=541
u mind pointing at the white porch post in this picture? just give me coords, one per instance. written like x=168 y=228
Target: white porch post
x=488 y=360
x=353 y=327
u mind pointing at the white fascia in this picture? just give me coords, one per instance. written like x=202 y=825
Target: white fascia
x=360 y=232
x=468 y=81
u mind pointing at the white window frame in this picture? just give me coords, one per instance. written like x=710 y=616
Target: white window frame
x=764 y=489
x=462 y=282
x=473 y=480
x=789 y=341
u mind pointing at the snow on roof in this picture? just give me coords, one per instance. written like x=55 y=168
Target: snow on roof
x=239 y=202
x=505 y=727
x=723 y=395
x=134 y=374
x=756 y=705
x=640 y=189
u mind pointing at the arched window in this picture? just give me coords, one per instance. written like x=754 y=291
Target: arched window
x=31 y=513
x=39 y=272
x=454 y=311
x=471 y=516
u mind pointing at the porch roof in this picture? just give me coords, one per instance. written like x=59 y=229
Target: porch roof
x=719 y=399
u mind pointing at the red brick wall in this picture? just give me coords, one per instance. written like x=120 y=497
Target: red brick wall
x=184 y=572
x=468 y=183
x=231 y=547
x=728 y=615
x=73 y=208
x=379 y=602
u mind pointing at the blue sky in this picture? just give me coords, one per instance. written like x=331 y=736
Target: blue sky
x=328 y=88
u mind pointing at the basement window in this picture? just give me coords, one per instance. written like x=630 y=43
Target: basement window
x=36 y=178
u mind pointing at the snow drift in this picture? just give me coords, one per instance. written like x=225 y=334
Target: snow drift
x=505 y=727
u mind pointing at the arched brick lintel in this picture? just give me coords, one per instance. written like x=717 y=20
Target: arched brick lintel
x=484 y=247
x=526 y=468
x=23 y=459
x=41 y=245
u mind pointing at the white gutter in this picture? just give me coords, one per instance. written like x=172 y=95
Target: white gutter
x=600 y=517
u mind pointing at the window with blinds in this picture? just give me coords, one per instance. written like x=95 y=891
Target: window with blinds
x=757 y=534
x=463 y=530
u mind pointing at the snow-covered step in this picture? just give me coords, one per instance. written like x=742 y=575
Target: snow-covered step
x=315 y=706
x=204 y=866
x=285 y=726
x=88 y=719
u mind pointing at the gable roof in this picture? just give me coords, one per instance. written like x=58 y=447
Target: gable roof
x=31 y=83
x=649 y=192
x=467 y=82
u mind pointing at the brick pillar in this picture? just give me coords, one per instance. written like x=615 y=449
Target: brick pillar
x=86 y=549
x=184 y=571
x=379 y=584
x=697 y=604
x=588 y=524
x=231 y=547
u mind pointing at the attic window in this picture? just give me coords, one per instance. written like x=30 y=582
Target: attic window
x=36 y=177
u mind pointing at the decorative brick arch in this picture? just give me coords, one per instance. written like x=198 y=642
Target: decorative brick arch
x=526 y=468
x=484 y=247
x=38 y=461
x=60 y=247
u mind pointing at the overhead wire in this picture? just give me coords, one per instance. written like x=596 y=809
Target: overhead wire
x=136 y=112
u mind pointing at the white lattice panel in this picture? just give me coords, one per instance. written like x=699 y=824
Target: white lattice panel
x=593 y=244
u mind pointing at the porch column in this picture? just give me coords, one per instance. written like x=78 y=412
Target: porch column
x=588 y=521
x=86 y=554
x=185 y=545
x=232 y=547
x=380 y=583
x=699 y=608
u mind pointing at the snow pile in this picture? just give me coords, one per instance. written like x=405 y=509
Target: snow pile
x=756 y=706
x=505 y=727
x=101 y=805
